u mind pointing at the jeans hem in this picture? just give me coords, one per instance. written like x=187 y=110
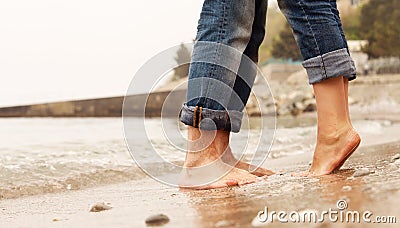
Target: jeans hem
x=330 y=65
x=209 y=119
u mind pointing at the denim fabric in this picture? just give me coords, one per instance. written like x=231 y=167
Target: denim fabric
x=229 y=33
x=318 y=31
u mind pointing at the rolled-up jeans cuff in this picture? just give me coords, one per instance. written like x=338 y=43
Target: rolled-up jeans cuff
x=332 y=64
x=209 y=119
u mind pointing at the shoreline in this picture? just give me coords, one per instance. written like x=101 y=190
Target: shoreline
x=133 y=201
x=117 y=175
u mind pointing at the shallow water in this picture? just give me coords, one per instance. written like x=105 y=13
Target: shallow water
x=41 y=155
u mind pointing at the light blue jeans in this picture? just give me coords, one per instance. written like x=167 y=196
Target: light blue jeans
x=229 y=34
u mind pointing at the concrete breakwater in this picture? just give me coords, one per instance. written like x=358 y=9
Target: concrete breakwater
x=135 y=105
x=292 y=96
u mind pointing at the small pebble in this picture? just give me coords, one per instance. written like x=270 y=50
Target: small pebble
x=100 y=207
x=69 y=186
x=372 y=171
x=397 y=162
x=387 y=123
x=224 y=223
x=395 y=157
x=56 y=219
x=347 y=188
x=392 y=166
x=157 y=220
x=361 y=172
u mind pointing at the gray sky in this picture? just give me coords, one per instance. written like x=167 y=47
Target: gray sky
x=62 y=50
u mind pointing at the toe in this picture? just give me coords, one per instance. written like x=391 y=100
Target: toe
x=262 y=172
x=220 y=184
x=244 y=182
x=231 y=183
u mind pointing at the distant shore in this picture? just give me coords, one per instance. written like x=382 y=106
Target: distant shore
x=292 y=97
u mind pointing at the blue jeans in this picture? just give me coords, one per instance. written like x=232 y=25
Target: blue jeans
x=229 y=34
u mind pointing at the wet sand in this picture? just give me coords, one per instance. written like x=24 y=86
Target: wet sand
x=133 y=202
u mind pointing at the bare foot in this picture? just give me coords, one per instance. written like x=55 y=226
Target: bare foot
x=357 y=139
x=331 y=152
x=230 y=159
x=204 y=170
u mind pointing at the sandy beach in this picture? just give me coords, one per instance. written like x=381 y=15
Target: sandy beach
x=133 y=201
x=106 y=108
x=52 y=177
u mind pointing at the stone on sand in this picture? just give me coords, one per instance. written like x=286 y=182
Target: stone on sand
x=296 y=96
x=100 y=207
x=310 y=105
x=361 y=172
x=346 y=188
x=157 y=220
x=387 y=123
x=395 y=157
x=392 y=167
x=224 y=223
x=397 y=162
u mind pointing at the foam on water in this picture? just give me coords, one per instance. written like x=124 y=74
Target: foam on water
x=42 y=155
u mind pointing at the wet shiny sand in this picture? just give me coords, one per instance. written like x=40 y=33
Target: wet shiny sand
x=133 y=202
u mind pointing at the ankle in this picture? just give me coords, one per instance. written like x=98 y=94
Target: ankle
x=196 y=159
x=332 y=134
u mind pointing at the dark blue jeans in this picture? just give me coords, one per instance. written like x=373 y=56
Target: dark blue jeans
x=229 y=34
